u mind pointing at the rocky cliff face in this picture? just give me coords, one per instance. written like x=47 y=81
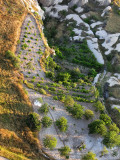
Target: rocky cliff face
x=47 y=3
x=72 y=2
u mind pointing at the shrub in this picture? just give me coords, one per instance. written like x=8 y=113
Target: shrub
x=111 y=139
x=89 y=156
x=65 y=151
x=104 y=151
x=76 y=111
x=97 y=126
x=42 y=91
x=64 y=77
x=105 y=118
x=99 y=106
x=69 y=101
x=24 y=46
x=89 y=114
x=113 y=127
x=50 y=142
x=33 y=122
x=44 y=108
x=46 y=121
x=62 y=124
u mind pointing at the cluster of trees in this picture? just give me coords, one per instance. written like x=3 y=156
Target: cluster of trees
x=107 y=129
x=76 y=109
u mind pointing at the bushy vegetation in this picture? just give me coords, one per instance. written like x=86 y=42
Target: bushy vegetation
x=69 y=101
x=50 y=142
x=46 y=121
x=65 y=151
x=89 y=114
x=99 y=106
x=62 y=124
x=89 y=156
x=33 y=122
x=106 y=119
x=97 y=126
x=77 y=110
x=111 y=139
x=44 y=108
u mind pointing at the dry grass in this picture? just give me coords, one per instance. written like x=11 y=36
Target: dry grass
x=17 y=142
x=113 y=22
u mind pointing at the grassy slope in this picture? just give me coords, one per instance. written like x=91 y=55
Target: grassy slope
x=16 y=140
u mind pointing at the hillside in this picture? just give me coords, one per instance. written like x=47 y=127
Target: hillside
x=60 y=80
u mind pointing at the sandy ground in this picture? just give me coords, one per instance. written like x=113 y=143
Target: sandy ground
x=77 y=131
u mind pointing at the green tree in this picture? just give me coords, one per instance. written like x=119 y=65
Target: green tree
x=65 y=151
x=89 y=114
x=50 y=142
x=46 y=121
x=44 y=108
x=62 y=124
x=33 y=122
x=105 y=118
x=77 y=111
x=111 y=139
x=64 y=77
x=113 y=127
x=99 y=106
x=97 y=126
x=89 y=156
x=69 y=101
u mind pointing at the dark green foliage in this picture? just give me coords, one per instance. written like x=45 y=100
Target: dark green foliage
x=44 y=108
x=89 y=156
x=65 y=151
x=92 y=73
x=33 y=122
x=46 y=121
x=89 y=114
x=50 y=142
x=111 y=139
x=50 y=63
x=64 y=77
x=99 y=106
x=105 y=118
x=62 y=124
x=97 y=126
x=59 y=53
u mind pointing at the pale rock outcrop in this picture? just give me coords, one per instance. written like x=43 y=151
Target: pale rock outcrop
x=77 y=2
x=104 y=2
x=47 y=3
x=33 y=6
x=106 y=10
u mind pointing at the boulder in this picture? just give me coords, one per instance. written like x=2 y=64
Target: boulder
x=106 y=10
